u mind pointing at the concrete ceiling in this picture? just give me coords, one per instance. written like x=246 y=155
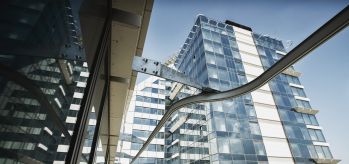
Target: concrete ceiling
x=129 y=28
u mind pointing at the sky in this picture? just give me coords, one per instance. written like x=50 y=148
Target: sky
x=325 y=71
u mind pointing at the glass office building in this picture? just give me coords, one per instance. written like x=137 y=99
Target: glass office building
x=40 y=90
x=66 y=77
x=274 y=124
x=145 y=111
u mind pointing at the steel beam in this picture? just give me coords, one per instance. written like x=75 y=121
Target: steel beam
x=155 y=68
x=324 y=33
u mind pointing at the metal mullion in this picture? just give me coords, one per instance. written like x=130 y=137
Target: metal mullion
x=77 y=140
x=104 y=96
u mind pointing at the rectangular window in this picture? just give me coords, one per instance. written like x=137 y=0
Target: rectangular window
x=289 y=131
x=320 y=152
x=295 y=150
x=223 y=75
x=312 y=134
x=259 y=148
x=298 y=92
x=216 y=37
x=206 y=34
x=223 y=145
x=212 y=72
x=139 y=98
x=218 y=48
x=219 y=124
x=303 y=104
x=312 y=151
x=320 y=136
x=236 y=146
x=305 y=133
x=327 y=152
x=210 y=58
x=154 y=90
x=154 y=100
x=225 y=40
x=299 y=117
x=255 y=129
x=248 y=147
x=306 y=119
x=313 y=120
x=232 y=125
x=284 y=115
x=208 y=45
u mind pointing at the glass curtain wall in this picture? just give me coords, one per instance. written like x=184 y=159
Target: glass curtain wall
x=231 y=131
x=43 y=81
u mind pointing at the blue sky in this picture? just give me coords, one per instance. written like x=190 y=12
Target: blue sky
x=325 y=72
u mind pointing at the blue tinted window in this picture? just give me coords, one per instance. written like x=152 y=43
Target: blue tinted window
x=295 y=150
x=236 y=146
x=248 y=147
x=154 y=90
x=225 y=40
x=227 y=52
x=320 y=136
x=304 y=151
x=327 y=152
x=259 y=148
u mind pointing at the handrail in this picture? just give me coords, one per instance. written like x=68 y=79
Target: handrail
x=324 y=33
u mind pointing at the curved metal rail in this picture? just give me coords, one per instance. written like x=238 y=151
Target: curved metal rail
x=325 y=32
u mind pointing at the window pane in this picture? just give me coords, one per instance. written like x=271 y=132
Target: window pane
x=305 y=134
x=289 y=132
x=320 y=136
x=320 y=152
x=327 y=152
x=220 y=124
x=232 y=125
x=312 y=151
x=284 y=115
x=248 y=146
x=208 y=45
x=216 y=37
x=212 y=72
x=306 y=119
x=220 y=61
x=312 y=134
x=206 y=34
x=313 y=120
x=299 y=117
x=210 y=58
x=236 y=146
x=259 y=148
x=255 y=129
x=295 y=150
x=223 y=145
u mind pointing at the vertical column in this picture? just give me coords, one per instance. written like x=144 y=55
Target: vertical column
x=276 y=145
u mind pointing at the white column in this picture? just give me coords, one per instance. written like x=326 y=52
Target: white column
x=276 y=145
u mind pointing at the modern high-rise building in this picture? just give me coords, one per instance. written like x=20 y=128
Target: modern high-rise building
x=145 y=111
x=274 y=124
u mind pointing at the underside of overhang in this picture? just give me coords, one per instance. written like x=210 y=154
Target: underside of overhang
x=129 y=28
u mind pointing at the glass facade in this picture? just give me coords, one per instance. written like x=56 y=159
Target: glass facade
x=42 y=81
x=145 y=111
x=301 y=128
x=56 y=81
x=230 y=131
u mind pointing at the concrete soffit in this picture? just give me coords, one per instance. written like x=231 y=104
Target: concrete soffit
x=129 y=28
